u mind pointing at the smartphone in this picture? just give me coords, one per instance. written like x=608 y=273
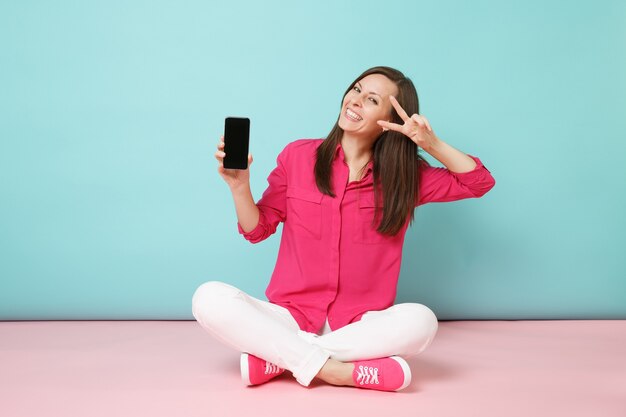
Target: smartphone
x=236 y=142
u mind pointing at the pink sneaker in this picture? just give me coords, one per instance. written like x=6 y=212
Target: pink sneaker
x=255 y=371
x=385 y=374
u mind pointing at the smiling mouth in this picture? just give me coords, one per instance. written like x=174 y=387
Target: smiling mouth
x=353 y=116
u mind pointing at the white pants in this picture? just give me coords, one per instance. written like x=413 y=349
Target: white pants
x=268 y=331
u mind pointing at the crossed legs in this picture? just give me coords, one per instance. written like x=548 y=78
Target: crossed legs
x=268 y=331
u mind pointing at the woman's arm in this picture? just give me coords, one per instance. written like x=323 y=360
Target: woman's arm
x=453 y=159
x=437 y=185
x=247 y=210
x=239 y=183
x=417 y=128
x=256 y=222
x=464 y=176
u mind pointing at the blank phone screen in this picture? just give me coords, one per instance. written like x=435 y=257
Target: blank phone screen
x=236 y=142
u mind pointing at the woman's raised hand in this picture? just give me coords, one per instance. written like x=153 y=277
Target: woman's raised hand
x=235 y=178
x=416 y=127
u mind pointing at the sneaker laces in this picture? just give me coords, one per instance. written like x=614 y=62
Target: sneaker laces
x=270 y=368
x=367 y=375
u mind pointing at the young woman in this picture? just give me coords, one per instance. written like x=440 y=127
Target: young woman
x=346 y=202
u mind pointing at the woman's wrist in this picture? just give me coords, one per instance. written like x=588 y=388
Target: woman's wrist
x=434 y=146
x=450 y=157
x=241 y=189
x=247 y=211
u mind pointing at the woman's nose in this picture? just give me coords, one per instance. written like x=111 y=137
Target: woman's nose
x=357 y=101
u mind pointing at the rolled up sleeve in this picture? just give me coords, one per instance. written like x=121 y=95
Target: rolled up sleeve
x=441 y=185
x=272 y=205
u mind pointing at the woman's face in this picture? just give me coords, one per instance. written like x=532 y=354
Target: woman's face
x=365 y=104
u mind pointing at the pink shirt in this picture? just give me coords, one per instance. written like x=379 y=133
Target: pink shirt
x=332 y=264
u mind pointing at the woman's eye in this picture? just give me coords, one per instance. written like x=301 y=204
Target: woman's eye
x=357 y=89
x=373 y=100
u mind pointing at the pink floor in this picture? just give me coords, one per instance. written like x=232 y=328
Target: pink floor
x=489 y=368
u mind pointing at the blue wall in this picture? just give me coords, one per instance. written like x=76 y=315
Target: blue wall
x=111 y=206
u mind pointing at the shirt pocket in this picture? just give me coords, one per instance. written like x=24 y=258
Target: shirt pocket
x=365 y=230
x=304 y=212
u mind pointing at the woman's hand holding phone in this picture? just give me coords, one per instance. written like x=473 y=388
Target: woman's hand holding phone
x=235 y=178
x=239 y=182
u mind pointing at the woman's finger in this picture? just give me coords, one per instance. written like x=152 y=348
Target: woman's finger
x=419 y=120
x=427 y=123
x=398 y=108
x=422 y=121
x=390 y=126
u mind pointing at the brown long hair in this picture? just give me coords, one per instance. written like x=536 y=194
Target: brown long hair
x=396 y=159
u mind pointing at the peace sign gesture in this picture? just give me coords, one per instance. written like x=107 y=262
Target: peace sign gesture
x=415 y=127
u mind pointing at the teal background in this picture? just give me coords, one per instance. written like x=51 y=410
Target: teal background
x=111 y=206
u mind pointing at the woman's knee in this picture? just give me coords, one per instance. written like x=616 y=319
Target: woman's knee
x=420 y=321
x=210 y=297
